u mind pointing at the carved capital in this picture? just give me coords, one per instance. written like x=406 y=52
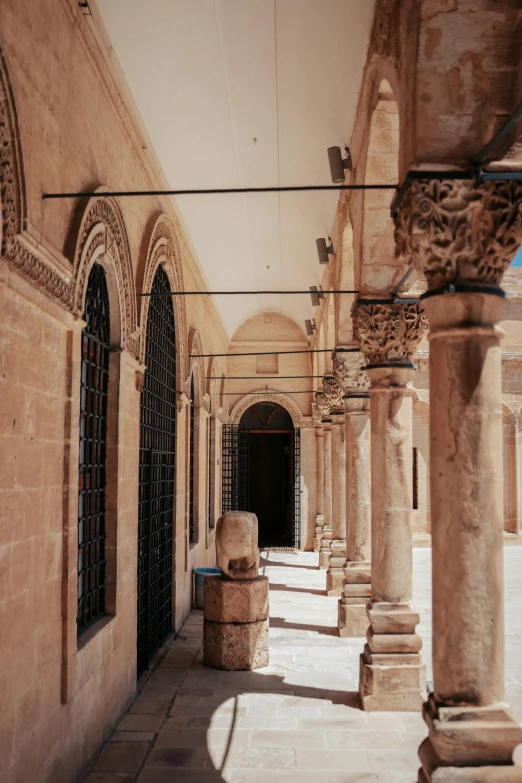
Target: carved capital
x=316 y=415
x=322 y=404
x=332 y=391
x=456 y=231
x=348 y=368
x=389 y=332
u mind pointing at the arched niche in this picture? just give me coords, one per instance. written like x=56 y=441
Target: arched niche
x=163 y=250
x=102 y=239
x=346 y=283
x=380 y=270
x=283 y=400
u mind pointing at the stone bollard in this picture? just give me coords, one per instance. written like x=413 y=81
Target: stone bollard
x=235 y=634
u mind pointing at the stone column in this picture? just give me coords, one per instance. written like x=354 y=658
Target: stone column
x=319 y=520
x=349 y=371
x=335 y=574
x=326 y=540
x=463 y=237
x=392 y=674
x=326 y=543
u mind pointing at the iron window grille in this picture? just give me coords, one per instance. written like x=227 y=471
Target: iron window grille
x=94 y=381
x=210 y=510
x=156 y=474
x=297 y=488
x=192 y=427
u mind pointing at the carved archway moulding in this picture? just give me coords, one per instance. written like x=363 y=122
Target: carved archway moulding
x=196 y=366
x=164 y=249
x=267 y=396
x=102 y=236
x=18 y=253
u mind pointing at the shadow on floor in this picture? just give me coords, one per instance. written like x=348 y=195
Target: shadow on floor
x=285 y=589
x=187 y=723
x=274 y=563
x=325 y=630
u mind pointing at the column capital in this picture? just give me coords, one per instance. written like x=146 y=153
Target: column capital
x=322 y=404
x=348 y=369
x=455 y=231
x=332 y=391
x=388 y=332
x=316 y=415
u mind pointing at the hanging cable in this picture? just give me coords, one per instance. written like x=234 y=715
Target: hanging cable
x=259 y=353
x=258 y=377
x=213 y=191
x=247 y=293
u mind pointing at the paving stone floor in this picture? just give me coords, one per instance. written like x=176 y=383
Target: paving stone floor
x=296 y=720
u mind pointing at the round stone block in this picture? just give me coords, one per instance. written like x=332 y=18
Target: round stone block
x=228 y=601
x=235 y=646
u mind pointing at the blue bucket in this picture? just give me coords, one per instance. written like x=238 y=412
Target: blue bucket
x=199 y=583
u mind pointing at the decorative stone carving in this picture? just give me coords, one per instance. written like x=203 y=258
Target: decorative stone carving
x=332 y=391
x=236 y=545
x=102 y=233
x=348 y=368
x=316 y=415
x=456 y=231
x=389 y=332
x=322 y=404
x=267 y=396
x=196 y=365
x=164 y=249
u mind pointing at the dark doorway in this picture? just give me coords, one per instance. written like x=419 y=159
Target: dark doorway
x=269 y=472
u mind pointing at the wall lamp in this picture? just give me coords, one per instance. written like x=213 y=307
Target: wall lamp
x=316 y=294
x=324 y=250
x=338 y=164
x=310 y=327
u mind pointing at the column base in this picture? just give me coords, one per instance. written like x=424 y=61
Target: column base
x=319 y=522
x=335 y=575
x=469 y=744
x=352 y=618
x=392 y=675
x=326 y=543
x=352 y=611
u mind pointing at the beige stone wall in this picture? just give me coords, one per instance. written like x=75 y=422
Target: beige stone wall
x=65 y=127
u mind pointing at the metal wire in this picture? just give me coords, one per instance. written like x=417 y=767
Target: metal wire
x=156 y=476
x=248 y=293
x=214 y=191
x=260 y=353
x=94 y=381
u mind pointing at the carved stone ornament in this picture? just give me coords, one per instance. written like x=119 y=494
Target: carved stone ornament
x=455 y=231
x=322 y=404
x=316 y=415
x=283 y=400
x=389 y=333
x=348 y=368
x=163 y=249
x=332 y=391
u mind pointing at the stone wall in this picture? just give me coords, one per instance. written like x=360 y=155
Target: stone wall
x=64 y=126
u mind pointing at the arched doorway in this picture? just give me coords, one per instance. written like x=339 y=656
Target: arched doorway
x=261 y=472
x=157 y=470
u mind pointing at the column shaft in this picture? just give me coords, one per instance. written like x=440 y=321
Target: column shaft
x=335 y=575
x=319 y=436
x=326 y=542
x=353 y=618
x=467 y=546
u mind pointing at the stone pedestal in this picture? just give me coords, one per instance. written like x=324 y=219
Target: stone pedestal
x=472 y=733
x=353 y=618
x=235 y=630
x=335 y=575
x=324 y=555
x=319 y=530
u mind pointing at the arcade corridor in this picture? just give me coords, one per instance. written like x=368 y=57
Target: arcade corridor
x=296 y=720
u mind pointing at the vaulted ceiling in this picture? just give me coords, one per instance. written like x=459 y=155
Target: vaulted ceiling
x=238 y=93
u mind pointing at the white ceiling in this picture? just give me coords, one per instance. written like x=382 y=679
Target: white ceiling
x=246 y=93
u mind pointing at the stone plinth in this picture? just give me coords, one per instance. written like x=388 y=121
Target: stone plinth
x=326 y=547
x=235 y=646
x=228 y=601
x=335 y=575
x=353 y=617
x=235 y=633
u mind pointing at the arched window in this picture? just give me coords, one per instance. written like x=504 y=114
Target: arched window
x=94 y=382
x=192 y=426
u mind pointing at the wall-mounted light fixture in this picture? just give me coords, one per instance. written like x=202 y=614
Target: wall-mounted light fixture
x=338 y=164
x=324 y=250
x=310 y=327
x=316 y=295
